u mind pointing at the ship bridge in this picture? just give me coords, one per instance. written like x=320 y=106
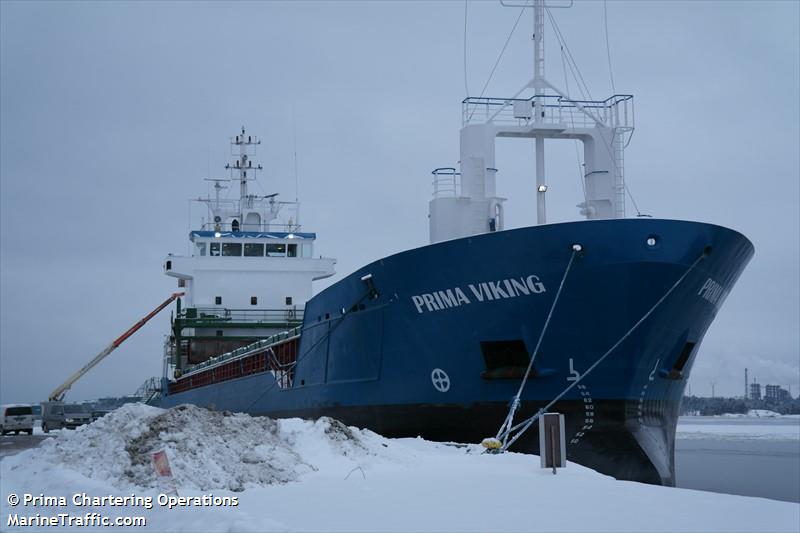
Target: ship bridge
x=250 y=269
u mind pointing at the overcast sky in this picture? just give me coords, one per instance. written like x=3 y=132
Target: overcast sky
x=113 y=112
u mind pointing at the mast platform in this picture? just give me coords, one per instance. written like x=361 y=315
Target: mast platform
x=615 y=112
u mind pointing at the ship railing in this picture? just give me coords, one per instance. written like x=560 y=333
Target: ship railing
x=446 y=182
x=251 y=202
x=268 y=316
x=263 y=228
x=614 y=112
x=262 y=345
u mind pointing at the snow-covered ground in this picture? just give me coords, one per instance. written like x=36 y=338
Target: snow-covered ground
x=293 y=475
x=765 y=413
x=758 y=413
x=744 y=427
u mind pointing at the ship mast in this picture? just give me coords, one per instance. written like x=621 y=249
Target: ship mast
x=465 y=201
x=539 y=84
x=250 y=212
x=243 y=164
x=215 y=207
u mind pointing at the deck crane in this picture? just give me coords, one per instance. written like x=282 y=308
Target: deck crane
x=58 y=394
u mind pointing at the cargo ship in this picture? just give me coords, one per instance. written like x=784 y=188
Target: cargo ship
x=477 y=333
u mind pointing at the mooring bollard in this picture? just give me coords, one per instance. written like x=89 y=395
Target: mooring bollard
x=552 y=444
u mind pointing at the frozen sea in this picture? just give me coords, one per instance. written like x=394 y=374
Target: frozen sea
x=749 y=456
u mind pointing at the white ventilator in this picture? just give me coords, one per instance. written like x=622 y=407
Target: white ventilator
x=466 y=203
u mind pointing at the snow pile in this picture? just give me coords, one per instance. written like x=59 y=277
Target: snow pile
x=753 y=413
x=294 y=475
x=206 y=449
x=766 y=413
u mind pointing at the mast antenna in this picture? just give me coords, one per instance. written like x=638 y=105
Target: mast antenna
x=243 y=163
x=296 y=175
x=294 y=141
x=215 y=208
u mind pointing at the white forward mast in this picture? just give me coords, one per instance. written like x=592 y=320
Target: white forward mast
x=465 y=203
x=539 y=83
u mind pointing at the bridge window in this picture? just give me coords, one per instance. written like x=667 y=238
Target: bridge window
x=288 y=300
x=201 y=248
x=232 y=248
x=276 y=250
x=292 y=250
x=253 y=249
x=215 y=248
x=217 y=300
x=254 y=300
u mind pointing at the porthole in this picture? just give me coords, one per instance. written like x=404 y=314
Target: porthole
x=651 y=241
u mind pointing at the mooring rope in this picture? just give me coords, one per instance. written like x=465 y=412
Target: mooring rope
x=526 y=424
x=515 y=401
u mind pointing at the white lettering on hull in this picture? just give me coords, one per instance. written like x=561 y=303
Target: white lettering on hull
x=713 y=292
x=485 y=291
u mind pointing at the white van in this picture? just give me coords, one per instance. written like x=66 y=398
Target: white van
x=16 y=417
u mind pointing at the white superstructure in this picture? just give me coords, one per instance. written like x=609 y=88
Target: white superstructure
x=466 y=202
x=251 y=268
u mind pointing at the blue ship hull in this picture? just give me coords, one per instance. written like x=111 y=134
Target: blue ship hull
x=439 y=349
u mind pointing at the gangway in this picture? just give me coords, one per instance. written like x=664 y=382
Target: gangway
x=58 y=394
x=149 y=391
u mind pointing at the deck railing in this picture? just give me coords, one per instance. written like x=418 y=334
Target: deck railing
x=218 y=314
x=615 y=112
x=263 y=228
x=446 y=182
